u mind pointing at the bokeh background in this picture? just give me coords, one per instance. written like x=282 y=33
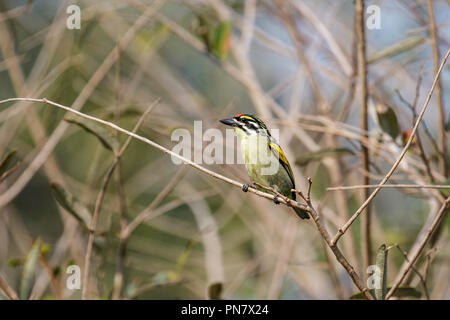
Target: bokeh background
x=206 y=60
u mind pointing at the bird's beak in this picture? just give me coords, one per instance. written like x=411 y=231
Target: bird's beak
x=229 y=122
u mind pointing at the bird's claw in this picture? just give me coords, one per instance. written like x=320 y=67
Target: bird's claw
x=245 y=187
x=275 y=200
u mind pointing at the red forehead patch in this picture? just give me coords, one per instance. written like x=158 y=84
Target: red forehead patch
x=239 y=114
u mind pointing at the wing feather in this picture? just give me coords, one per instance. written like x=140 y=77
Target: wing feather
x=279 y=154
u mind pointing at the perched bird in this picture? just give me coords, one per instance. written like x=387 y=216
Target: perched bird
x=260 y=152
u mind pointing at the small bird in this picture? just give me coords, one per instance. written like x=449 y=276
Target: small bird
x=260 y=150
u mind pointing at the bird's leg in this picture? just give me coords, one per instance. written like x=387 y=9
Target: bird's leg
x=273 y=189
x=245 y=187
x=276 y=196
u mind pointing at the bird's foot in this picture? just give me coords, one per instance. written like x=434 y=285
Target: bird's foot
x=245 y=187
x=275 y=200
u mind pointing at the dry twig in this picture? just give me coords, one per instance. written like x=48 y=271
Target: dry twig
x=338 y=254
x=342 y=230
x=441 y=213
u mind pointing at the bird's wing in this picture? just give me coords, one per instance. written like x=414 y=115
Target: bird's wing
x=279 y=154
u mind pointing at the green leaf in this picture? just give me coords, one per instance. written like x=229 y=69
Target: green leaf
x=381 y=263
x=401 y=292
x=222 y=40
x=215 y=291
x=445 y=192
x=7 y=161
x=388 y=120
x=29 y=269
x=396 y=49
x=106 y=137
x=319 y=155
x=77 y=209
x=204 y=29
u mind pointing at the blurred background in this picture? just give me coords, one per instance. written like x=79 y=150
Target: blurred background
x=293 y=64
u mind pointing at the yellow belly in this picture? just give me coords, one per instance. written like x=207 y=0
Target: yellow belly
x=263 y=167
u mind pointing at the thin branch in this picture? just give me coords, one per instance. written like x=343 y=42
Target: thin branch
x=99 y=202
x=51 y=275
x=362 y=76
x=395 y=186
x=291 y=203
x=147 y=212
x=342 y=230
x=57 y=134
x=335 y=49
x=337 y=253
x=6 y=288
x=441 y=111
x=442 y=211
x=422 y=279
x=285 y=15
x=9 y=172
x=422 y=154
x=121 y=197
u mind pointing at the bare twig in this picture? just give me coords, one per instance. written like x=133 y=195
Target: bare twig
x=286 y=17
x=122 y=251
x=147 y=212
x=10 y=171
x=327 y=36
x=291 y=203
x=308 y=197
x=442 y=211
x=442 y=142
x=99 y=201
x=57 y=134
x=422 y=279
x=53 y=280
x=395 y=186
x=338 y=254
x=342 y=230
x=422 y=154
x=7 y=289
x=362 y=76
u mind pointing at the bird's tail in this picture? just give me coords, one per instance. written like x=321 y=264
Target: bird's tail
x=301 y=213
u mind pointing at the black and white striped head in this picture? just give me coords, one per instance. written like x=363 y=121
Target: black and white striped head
x=248 y=123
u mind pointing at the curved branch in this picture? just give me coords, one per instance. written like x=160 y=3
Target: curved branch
x=291 y=203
